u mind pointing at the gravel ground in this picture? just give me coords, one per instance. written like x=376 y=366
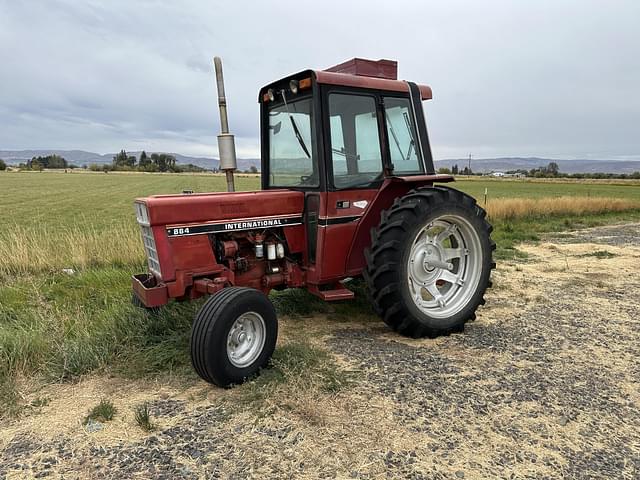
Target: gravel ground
x=544 y=384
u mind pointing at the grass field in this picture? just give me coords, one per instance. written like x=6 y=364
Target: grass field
x=55 y=326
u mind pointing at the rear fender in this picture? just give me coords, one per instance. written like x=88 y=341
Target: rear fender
x=392 y=188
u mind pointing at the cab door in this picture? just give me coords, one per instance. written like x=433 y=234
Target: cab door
x=355 y=171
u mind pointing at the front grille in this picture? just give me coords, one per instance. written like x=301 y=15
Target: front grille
x=150 y=248
x=142 y=215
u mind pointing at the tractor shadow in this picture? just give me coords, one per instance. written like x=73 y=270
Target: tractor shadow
x=296 y=303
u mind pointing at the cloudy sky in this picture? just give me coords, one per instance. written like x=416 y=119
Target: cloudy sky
x=510 y=78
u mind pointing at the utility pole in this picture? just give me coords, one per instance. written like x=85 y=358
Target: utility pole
x=469 y=171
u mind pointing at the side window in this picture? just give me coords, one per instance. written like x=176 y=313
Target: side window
x=401 y=134
x=355 y=143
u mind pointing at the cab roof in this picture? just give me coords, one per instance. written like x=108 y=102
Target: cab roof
x=358 y=73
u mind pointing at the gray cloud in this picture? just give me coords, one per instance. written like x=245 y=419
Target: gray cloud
x=547 y=78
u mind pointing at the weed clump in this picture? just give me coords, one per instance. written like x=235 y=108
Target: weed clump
x=143 y=417
x=103 y=412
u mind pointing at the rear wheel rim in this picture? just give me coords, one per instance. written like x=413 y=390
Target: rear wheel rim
x=444 y=266
x=246 y=339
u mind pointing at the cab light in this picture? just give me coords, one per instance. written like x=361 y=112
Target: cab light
x=304 y=83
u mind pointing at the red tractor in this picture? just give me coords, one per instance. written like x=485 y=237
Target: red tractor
x=347 y=191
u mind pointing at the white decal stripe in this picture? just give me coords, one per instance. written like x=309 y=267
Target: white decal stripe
x=233 y=225
x=235 y=220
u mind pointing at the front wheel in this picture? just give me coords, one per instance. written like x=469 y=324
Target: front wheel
x=430 y=262
x=233 y=336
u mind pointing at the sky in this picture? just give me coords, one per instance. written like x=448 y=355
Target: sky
x=556 y=79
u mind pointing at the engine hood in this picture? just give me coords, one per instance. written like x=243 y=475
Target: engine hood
x=184 y=209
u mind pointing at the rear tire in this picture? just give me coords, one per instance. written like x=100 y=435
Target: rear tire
x=233 y=336
x=430 y=261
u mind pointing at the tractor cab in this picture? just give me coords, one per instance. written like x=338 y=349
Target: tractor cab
x=347 y=127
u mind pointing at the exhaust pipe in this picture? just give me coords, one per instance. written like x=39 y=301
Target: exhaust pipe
x=226 y=143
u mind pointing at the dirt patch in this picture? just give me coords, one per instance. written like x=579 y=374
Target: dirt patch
x=545 y=383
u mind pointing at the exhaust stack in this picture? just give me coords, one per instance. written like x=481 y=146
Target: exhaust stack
x=226 y=143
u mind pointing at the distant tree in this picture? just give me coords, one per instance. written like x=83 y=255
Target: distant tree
x=171 y=162
x=3 y=166
x=454 y=169
x=56 y=161
x=164 y=161
x=144 y=161
x=123 y=160
x=35 y=165
x=552 y=169
x=444 y=170
x=253 y=169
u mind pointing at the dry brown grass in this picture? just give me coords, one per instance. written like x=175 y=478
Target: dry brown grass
x=516 y=208
x=26 y=250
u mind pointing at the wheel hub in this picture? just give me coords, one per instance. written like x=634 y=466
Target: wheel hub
x=246 y=339
x=442 y=271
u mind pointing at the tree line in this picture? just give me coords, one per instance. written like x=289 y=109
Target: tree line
x=156 y=162
x=48 y=161
x=551 y=170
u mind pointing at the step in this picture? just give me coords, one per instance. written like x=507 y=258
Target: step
x=332 y=295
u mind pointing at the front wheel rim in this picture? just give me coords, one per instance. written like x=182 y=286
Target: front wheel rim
x=246 y=339
x=444 y=266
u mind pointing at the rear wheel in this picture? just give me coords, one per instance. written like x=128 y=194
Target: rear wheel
x=430 y=262
x=233 y=336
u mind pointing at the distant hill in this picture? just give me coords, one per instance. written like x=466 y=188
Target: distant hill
x=483 y=165
x=488 y=165
x=82 y=157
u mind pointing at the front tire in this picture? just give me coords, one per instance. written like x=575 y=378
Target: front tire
x=233 y=336
x=430 y=262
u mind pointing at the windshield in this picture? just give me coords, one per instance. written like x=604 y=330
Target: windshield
x=401 y=134
x=291 y=159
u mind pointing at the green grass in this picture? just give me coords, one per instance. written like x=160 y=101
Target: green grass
x=55 y=202
x=528 y=188
x=56 y=327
